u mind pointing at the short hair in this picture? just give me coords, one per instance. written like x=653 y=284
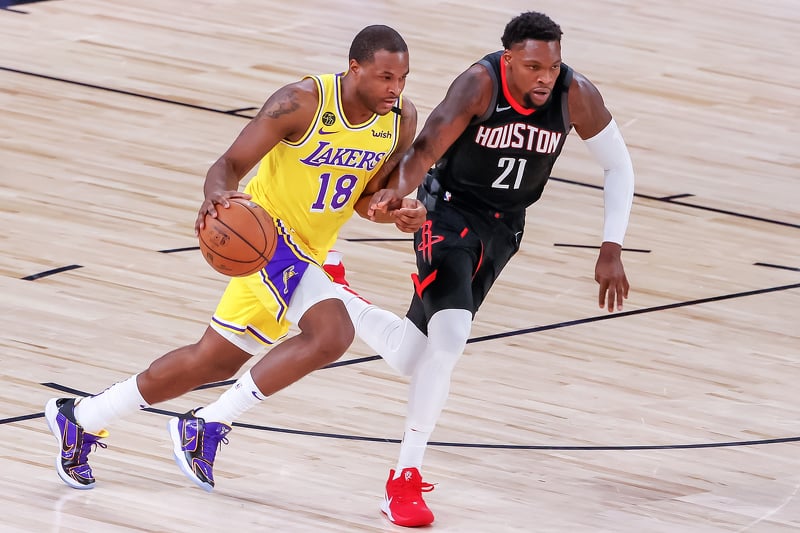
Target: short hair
x=530 y=25
x=374 y=38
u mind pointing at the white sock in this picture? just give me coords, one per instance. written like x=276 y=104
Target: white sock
x=395 y=339
x=242 y=395
x=448 y=331
x=119 y=400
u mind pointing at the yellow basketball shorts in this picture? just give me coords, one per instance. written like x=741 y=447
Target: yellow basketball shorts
x=256 y=311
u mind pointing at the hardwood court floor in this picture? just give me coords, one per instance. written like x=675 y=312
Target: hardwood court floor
x=678 y=414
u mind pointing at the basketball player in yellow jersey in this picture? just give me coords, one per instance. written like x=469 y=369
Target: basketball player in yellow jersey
x=327 y=143
x=311 y=184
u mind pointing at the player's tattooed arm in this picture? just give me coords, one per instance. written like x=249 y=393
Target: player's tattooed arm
x=281 y=103
x=287 y=114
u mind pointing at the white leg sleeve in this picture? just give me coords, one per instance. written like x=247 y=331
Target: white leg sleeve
x=395 y=339
x=448 y=331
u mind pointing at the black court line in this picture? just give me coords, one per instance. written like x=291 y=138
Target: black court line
x=595 y=247
x=341 y=436
x=526 y=446
x=64 y=388
x=793 y=269
x=685 y=204
x=381 y=239
x=236 y=111
x=634 y=312
x=51 y=272
x=21 y=418
x=353 y=361
x=675 y=197
x=347 y=362
x=174 y=250
x=14 y=10
x=127 y=93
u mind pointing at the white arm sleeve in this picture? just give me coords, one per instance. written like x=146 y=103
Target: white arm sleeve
x=608 y=149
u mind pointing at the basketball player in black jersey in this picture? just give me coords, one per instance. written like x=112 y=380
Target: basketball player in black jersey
x=492 y=143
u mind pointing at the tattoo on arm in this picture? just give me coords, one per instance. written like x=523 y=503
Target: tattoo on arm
x=283 y=105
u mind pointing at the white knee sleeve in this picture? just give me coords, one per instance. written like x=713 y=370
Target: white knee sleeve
x=395 y=339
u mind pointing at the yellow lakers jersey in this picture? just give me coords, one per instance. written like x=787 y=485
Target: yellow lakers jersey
x=312 y=185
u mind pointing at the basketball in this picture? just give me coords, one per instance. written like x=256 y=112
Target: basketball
x=241 y=240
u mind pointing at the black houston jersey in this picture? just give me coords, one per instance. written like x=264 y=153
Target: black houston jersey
x=504 y=158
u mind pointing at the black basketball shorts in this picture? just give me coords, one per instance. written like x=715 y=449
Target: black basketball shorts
x=460 y=253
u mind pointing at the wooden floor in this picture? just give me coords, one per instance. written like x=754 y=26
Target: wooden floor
x=679 y=414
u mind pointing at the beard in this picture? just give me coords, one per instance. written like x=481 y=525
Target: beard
x=528 y=101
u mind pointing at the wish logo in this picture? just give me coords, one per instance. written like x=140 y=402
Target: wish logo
x=382 y=134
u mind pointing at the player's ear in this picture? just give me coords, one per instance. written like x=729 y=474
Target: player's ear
x=354 y=67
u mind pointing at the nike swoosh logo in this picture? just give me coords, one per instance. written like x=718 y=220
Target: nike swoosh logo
x=66 y=447
x=189 y=443
x=501 y=109
x=323 y=132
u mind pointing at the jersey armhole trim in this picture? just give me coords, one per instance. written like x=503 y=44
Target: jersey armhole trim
x=565 y=99
x=493 y=102
x=320 y=105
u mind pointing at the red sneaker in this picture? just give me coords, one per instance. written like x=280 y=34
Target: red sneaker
x=403 y=503
x=335 y=268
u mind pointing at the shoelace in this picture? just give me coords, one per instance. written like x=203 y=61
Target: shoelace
x=212 y=443
x=89 y=445
x=413 y=489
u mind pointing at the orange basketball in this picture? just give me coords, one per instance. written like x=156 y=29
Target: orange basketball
x=241 y=240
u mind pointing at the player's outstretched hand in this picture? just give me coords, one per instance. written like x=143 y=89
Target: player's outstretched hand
x=383 y=201
x=410 y=216
x=209 y=206
x=610 y=274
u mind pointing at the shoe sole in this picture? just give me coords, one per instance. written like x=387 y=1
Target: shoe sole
x=50 y=414
x=180 y=456
x=385 y=510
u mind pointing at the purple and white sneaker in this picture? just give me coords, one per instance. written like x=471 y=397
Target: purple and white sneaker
x=75 y=443
x=195 y=443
